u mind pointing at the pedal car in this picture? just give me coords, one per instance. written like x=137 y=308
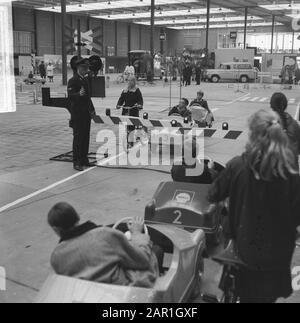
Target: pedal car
x=201 y=117
x=183 y=266
x=184 y=204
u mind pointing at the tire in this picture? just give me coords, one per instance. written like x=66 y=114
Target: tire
x=244 y=79
x=215 y=79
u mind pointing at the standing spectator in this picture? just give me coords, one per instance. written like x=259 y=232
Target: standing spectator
x=188 y=72
x=50 y=72
x=263 y=187
x=42 y=70
x=279 y=104
x=198 y=74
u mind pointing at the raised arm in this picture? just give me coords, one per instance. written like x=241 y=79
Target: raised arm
x=73 y=90
x=220 y=189
x=134 y=255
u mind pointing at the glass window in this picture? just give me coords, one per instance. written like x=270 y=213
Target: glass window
x=244 y=67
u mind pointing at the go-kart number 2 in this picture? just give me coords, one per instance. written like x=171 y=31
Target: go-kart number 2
x=178 y=217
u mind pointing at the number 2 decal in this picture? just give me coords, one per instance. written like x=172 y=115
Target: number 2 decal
x=178 y=217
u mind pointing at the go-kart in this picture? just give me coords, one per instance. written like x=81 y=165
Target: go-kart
x=201 y=117
x=185 y=205
x=32 y=81
x=180 y=281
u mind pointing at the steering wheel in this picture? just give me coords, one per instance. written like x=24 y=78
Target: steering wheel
x=126 y=220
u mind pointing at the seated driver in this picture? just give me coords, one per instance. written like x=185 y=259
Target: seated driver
x=200 y=101
x=182 y=109
x=101 y=254
x=194 y=170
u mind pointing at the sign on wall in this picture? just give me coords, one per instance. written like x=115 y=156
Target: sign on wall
x=7 y=80
x=233 y=35
x=93 y=40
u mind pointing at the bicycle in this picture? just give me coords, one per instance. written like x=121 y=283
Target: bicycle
x=232 y=264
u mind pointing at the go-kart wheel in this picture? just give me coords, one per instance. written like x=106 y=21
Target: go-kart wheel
x=128 y=220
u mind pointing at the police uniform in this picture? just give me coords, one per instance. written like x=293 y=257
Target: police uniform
x=82 y=111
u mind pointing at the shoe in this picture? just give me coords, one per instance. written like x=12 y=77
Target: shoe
x=79 y=168
x=87 y=164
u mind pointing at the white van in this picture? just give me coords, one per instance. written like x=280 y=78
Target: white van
x=233 y=71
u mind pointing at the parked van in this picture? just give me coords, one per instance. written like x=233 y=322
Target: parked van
x=233 y=71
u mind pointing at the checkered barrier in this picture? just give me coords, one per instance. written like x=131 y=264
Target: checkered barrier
x=171 y=127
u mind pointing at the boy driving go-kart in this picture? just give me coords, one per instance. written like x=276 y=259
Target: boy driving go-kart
x=181 y=109
x=201 y=113
x=101 y=254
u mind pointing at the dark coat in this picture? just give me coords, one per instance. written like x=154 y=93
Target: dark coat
x=185 y=114
x=293 y=132
x=129 y=99
x=263 y=220
x=80 y=106
x=263 y=215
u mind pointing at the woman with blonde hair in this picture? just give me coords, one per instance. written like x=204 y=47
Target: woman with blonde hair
x=263 y=187
x=131 y=102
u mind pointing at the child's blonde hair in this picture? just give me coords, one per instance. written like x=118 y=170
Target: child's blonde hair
x=268 y=149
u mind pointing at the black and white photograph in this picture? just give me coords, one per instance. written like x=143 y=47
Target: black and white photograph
x=149 y=154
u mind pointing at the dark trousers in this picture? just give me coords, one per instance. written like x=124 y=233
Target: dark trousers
x=198 y=79
x=81 y=140
x=188 y=81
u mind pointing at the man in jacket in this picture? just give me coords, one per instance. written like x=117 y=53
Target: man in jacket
x=182 y=109
x=82 y=111
x=101 y=254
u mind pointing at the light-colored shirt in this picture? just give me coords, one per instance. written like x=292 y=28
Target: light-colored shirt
x=50 y=70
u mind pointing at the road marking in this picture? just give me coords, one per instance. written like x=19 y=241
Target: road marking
x=247 y=95
x=48 y=188
x=254 y=99
x=291 y=101
x=244 y=98
x=263 y=99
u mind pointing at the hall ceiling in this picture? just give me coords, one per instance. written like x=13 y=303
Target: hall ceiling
x=179 y=13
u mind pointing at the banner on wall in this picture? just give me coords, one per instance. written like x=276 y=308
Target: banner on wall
x=7 y=79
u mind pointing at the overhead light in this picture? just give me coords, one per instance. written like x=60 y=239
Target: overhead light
x=165 y=13
x=191 y=20
x=281 y=6
x=118 y=4
x=227 y=25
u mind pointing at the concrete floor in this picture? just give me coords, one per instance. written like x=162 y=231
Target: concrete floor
x=35 y=133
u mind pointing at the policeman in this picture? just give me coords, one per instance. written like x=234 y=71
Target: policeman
x=82 y=111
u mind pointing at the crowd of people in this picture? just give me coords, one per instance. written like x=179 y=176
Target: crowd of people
x=44 y=72
x=262 y=186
